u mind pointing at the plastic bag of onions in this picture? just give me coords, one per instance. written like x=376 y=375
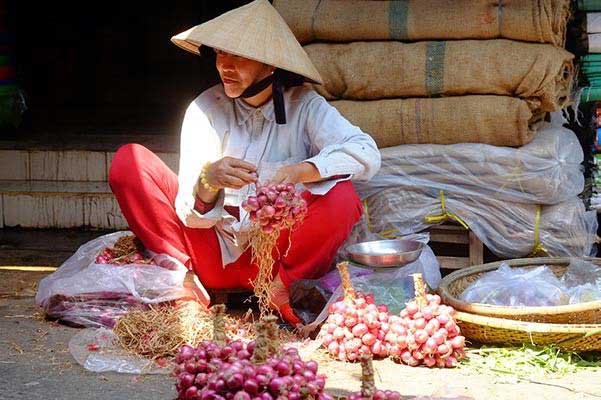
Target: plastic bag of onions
x=106 y=277
x=425 y=332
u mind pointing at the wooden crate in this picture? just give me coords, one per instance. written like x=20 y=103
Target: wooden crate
x=451 y=234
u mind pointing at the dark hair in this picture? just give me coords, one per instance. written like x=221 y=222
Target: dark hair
x=290 y=79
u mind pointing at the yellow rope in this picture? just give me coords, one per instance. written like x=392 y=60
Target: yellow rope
x=538 y=248
x=515 y=174
x=387 y=234
x=445 y=216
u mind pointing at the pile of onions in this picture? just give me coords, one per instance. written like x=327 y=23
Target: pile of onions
x=108 y=257
x=356 y=325
x=209 y=372
x=233 y=371
x=425 y=333
x=276 y=207
x=128 y=249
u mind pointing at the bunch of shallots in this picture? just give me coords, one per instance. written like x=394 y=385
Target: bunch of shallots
x=276 y=207
x=425 y=333
x=356 y=325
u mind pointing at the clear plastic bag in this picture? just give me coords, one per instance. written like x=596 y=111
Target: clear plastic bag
x=518 y=287
x=311 y=299
x=581 y=272
x=331 y=280
x=546 y=171
x=83 y=293
x=98 y=350
x=584 y=293
x=308 y=297
x=582 y=280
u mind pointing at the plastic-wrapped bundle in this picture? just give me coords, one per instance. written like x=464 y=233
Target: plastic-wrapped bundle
x=541 y=74
x=495 y=120
x=508 y=229
x=84 y=293
x=412 y=20
x=545 y=171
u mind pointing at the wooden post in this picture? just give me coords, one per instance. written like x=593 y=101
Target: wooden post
x=476 y=249
x=219 y=335
x=345 y=278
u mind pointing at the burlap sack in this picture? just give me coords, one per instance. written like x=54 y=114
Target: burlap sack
x=542 y=21
x=495 y=120
x=539 y=73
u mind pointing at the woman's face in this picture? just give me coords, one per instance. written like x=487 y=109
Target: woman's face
x=238 y=73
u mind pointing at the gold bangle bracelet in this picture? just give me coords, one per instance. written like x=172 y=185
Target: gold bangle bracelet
x=203 y=178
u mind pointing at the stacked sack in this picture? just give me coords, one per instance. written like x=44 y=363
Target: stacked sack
x=444 y=91
x=440 y=101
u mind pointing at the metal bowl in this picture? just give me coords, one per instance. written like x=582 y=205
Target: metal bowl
x=386 y=253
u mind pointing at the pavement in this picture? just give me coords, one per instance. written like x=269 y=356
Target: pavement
x=35 y=362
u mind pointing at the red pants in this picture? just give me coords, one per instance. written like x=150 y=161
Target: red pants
x=146 y=188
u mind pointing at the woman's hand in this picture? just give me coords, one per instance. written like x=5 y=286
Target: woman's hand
x=298 y=173
x=230 y=172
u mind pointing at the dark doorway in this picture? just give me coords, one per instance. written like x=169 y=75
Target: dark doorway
x=108 y=67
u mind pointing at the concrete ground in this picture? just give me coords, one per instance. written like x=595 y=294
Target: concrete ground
x=35 y=361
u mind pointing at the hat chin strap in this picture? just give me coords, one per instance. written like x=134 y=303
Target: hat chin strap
x=277 y=96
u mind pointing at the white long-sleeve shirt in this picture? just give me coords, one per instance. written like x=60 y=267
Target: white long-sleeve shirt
x=216 y=126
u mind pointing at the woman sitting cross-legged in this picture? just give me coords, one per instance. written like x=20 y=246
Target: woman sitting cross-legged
x=261 y=123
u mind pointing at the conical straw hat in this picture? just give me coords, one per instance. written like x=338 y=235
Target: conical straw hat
x=255 y=31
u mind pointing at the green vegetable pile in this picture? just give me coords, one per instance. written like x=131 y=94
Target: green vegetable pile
x=529 y=361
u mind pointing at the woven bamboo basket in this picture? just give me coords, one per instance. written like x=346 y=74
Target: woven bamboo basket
x=567 y=337
x=454 y=284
